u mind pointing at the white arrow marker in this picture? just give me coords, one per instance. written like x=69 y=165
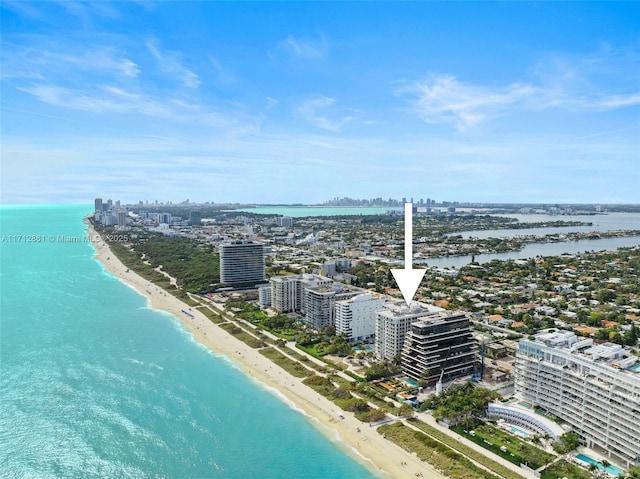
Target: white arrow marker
x=408 y=279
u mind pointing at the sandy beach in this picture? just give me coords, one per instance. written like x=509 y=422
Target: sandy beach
x=358 y=439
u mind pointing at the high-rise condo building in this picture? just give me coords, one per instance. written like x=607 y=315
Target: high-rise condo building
x=242 y=262
x=288 y=292
x=122 y=218
x=593 y=388
x=108 y=219
x=319 y=303
x=311 y=295
x=284 y=293
x=393 y=323
x=264 y=296
x=98 y=205
x=286 y=221
x=356 y=317
x=319 y=306
x=195 y=218
x=439 y=345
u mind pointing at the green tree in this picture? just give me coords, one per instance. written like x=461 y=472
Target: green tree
x=633 y=473
x=566 y=443
x=380 y=370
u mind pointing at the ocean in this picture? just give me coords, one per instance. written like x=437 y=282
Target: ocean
x=94 y=384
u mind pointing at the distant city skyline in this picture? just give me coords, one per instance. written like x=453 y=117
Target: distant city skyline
x=356 y=202
x=279 y=102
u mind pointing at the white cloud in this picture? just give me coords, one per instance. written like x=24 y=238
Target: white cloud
x=271 y=102
x=223 y=75
x=315 y=112
x=305 y=48
x=442 y=98
x=171 y=63
x=609 y=102
x=21 y=7
x=445 y=99
x=114 y=99
x=104 y=99
x=47 y=59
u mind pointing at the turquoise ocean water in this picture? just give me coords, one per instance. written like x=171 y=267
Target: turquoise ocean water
x=94 y=384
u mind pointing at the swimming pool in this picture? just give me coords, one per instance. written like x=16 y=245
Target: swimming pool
x=519 y=432
x=366 y=349
x=411 y=382
x=611 y=469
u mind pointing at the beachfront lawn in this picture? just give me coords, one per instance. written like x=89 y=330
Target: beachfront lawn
x=321 y=357
x=562 y=469
x=464 y=449
x=310 y=349
x=320 y=384
x=342 y=397
x=517 y=450
x=367 y=391
x=280 y=325
x=212 y=315
x=184 y=297
x=242 y=335
x=292 y=367
x=442 y=457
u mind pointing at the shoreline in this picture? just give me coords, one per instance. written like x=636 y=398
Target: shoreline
x=359 y=441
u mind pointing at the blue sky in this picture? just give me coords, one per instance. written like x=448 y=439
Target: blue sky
x=282 y=102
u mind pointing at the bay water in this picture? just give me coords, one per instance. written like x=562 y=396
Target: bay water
x=94 y=384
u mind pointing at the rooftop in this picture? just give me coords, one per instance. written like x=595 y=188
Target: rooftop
x=610 y=354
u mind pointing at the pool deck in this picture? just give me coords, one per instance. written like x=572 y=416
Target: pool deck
x=596 y=456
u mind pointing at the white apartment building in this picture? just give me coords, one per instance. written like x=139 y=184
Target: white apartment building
x=320 y=303
x=393 y=323
x=356 y=317
x=288 y=292
x=593 y=388
x=311 y=295
x=242 y=262
x=311 y=281
x=264 y=296
x=284 y=293
x=319 y=306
